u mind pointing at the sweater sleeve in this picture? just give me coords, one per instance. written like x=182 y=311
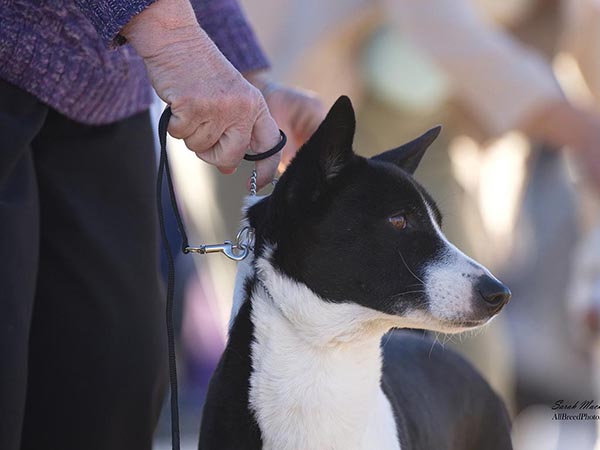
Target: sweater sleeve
x=109 y=16
x=223 y=21
x=226 y=24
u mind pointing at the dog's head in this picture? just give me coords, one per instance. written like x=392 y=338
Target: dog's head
x=363 y=231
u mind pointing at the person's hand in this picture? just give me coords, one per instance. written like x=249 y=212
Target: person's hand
x=297 y=112
x=586 y=149
x=216 y=111
x=577 y=130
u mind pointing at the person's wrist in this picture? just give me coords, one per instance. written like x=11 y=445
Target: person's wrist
x=164 y=24
x=262 y=80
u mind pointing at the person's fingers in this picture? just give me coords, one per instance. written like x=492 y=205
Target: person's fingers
x=312 y=113
x=206 y=135
x=309 y=112
x=227 y=170
x=228 y=151
x=180 y=128
x=289 y=151
x=299 y=113
x=266 y=170
x=265 y=135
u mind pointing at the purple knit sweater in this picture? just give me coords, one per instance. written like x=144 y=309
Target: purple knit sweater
x=63 y=52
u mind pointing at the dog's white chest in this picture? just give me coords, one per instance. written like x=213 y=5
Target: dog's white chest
x=382 y=432
x=310 y=398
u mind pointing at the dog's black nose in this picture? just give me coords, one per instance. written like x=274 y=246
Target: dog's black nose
x=492 y=291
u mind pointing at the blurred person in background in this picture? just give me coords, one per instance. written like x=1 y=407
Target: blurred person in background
x=502 y=85
x=506 y=82
x=82 y=361
x=514 y=82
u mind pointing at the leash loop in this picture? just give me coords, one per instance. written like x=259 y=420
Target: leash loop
x=270 y=152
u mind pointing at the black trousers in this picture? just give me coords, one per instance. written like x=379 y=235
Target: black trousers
x=82 y=354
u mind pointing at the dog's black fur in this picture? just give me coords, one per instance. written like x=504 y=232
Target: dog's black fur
x=328 y=220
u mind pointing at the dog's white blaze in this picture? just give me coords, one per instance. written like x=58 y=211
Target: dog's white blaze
x=449 y=280
x=315 y=383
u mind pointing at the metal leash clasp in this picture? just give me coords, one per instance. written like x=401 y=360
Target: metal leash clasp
x=236 y=251
x=244 y=241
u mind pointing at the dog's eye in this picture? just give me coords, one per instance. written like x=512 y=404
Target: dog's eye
x=398 y=221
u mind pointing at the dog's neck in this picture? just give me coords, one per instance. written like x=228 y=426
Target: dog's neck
x=316 y=372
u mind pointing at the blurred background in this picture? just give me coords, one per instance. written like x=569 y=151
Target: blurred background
x=516 y=85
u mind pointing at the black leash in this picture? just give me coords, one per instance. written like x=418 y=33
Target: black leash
x=163 y=168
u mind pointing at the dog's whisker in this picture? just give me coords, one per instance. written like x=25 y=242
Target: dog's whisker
x=387 y=339
x=449 y=338
x=436 y=339
x=400 y=294
x=408 y=268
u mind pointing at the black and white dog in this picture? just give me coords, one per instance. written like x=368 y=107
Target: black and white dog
x=346 y=249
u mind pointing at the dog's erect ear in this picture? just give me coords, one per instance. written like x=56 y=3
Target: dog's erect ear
x=408 y=156
x=320 y=159
x=331 y=144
